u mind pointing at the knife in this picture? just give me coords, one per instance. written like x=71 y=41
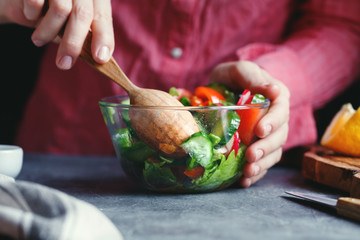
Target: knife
x=345 y=206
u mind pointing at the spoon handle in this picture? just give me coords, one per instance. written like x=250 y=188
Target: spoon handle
x=111 y=69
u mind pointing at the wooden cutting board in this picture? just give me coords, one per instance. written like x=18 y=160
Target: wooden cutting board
x=326 y=167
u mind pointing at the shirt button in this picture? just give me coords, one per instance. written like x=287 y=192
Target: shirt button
x=176 y=52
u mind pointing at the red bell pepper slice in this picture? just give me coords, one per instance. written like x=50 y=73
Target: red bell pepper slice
x=194 y=173
x=248 y=120
x=244 y=97
x=249 y=99
x=236 y=143
x=196 y=101
x=209 y=94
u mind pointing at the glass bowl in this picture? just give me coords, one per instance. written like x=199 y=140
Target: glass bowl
x=213 y=159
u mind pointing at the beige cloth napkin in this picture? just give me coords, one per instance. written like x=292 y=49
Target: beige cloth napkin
x=33 y=211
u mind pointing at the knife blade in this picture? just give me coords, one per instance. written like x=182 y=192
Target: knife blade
x=345 y=206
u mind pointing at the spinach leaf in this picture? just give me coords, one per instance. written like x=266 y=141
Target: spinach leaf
x=156 y=176
x=228 y=169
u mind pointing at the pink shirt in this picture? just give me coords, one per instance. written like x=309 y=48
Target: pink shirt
x=316 y=56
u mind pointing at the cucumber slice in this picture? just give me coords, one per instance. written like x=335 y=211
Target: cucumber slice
x=123 y=137
x=226 y=126
x=125 y=112
x=200 y=148
x=258 y=98
x=191 y=163
x=126 y=118
x=214 y=139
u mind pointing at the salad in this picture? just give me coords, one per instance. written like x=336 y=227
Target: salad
x=215 y=154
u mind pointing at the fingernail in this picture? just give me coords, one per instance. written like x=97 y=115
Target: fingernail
x=259 y=154
x=65 y=62
x=267 y=130
x=103 y=53
x=39 y=43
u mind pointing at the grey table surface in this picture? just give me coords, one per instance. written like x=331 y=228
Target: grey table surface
x=261 y=211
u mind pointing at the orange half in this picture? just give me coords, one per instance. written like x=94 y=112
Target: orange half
x=343 y=133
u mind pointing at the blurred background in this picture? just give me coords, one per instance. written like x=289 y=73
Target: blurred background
x=19 y=67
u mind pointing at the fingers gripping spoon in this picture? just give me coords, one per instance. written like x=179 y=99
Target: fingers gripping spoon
x=161 y=129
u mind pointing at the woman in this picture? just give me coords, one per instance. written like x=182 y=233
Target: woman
x=309 y=49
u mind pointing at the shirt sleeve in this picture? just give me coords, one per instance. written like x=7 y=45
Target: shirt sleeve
x=318 y=60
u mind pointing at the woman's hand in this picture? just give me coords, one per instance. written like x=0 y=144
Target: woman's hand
x=272 y=129
x=75 y=17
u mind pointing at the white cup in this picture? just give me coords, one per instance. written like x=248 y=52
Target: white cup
x=11 y=160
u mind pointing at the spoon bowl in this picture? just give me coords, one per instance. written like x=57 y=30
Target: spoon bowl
x=164 y=131
x=160 y=129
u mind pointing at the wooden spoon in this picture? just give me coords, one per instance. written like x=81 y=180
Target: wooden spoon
x=161 y=129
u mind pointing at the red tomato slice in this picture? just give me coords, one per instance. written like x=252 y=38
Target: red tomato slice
x=194 y=173
x=208 y=94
